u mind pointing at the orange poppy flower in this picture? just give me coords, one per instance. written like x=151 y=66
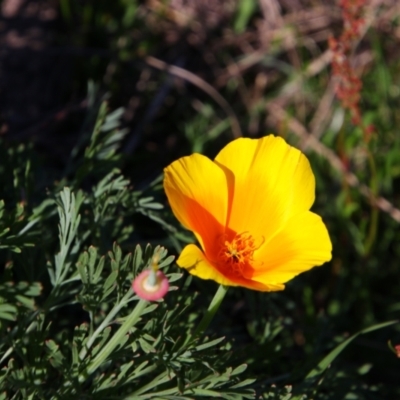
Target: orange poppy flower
x=249 y=210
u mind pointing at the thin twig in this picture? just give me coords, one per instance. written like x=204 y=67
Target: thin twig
x=201 y=84
x=323 y=112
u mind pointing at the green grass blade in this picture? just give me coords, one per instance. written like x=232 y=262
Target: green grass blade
x=327 y=360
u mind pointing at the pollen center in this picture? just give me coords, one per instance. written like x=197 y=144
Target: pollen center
x=237 y=253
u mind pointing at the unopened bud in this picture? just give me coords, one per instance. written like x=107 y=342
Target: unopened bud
x=151 y=284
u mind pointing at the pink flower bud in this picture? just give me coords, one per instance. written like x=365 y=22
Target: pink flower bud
x=151 y=285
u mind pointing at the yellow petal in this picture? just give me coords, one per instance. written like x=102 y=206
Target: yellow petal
x=269 y=182
x=194 y=260
x=197 y=191
x=302 y=244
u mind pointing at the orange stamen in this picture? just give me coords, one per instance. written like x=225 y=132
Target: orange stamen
x=237 y=253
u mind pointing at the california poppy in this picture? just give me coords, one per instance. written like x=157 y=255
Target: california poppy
x=249 y=210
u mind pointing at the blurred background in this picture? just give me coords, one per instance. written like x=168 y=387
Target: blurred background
x=189 y=76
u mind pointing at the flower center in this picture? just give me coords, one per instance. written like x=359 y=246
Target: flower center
x=237 y=253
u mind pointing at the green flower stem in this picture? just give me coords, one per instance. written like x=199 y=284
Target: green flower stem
x=117 y=337
x=209 y=315
x=104 y=324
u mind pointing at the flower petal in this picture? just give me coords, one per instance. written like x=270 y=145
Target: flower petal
x=197 y=191
x=194 y=260
x=302 y=244
x=270 y=181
